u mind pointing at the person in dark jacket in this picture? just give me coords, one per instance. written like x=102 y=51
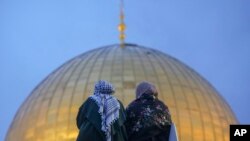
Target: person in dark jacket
x=101 y=117
x=148 y=118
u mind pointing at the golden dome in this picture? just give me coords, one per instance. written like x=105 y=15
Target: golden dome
x=49 y=113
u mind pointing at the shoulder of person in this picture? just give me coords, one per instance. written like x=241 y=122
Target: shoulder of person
x=87 y=102
x=162 y=104
x=131 y=105
x=121 y=104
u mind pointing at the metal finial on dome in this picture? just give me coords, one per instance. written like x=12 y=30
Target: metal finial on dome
x=122 y=26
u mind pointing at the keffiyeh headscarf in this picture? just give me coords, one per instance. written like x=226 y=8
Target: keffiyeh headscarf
x=145 y=88
x=108 y=105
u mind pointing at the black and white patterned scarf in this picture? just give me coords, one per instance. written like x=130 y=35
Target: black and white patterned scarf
x=108 y=105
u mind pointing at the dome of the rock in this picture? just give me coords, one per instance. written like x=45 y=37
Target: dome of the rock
x=49 y=113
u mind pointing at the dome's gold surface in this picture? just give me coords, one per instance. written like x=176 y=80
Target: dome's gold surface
x=49 y=113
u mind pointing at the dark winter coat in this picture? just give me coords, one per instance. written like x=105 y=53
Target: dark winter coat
x=89 y=124
x=148 y=119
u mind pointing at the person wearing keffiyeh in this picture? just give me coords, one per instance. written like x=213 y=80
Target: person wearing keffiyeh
x=101 y=117
x=148 y=118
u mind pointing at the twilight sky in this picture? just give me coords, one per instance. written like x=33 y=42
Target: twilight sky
x=210 y=36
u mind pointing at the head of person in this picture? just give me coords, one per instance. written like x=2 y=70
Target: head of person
x=104 y=87
x=146 y=88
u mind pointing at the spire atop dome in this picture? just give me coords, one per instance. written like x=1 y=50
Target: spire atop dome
x=122 y=26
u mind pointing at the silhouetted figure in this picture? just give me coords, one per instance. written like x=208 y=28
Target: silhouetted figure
x=102 y=116
x=148 y=118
